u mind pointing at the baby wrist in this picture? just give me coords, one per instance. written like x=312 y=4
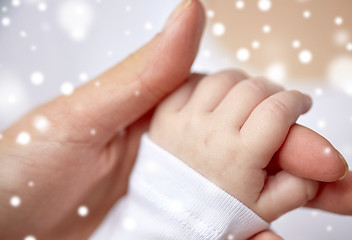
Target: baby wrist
x=189 y=199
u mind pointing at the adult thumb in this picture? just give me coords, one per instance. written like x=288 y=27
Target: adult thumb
x=122 y=94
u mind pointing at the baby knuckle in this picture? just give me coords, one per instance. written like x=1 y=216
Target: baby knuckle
x=257 y=85
x=295 y=93
x=306 y=191
x=230 y=74
x=278 y=108
x=191 y=122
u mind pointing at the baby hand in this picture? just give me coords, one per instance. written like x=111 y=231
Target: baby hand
x=228 y=129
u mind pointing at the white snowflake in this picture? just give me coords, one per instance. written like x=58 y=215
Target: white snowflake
x=341 y=37
x=83 y=211
x=240 y=4
x=230 y=237
x=327 y=150
x=255 y=44
x=264 y=5
x=23 y=34
x=6 y=21
x=129 y=224
x=218 y=29
x=33 y=48
x=11 y=98
x=16 y=3
x=127 y=33
x=23 y=138
x=318 y=92
x=42 y=6
x=314 y=213
x=296 y=44
x=266 y=28
x=307 y=14
x=83 y=76
x=210 y=13
x=67 y=88
x=340 y=74
x=41 y=123
x=349 y=46
x=128 y=8
x=148 y=26
x=243 y=54
x=305 y=56
x=338 y=21
x=277 y=72
x=321 y=124
x=75 y=18
x=37 y=78
x=30 y=237
x=206 y=53
x=15 y=201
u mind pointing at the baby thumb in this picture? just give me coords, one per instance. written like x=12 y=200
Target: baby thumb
x=284 y=192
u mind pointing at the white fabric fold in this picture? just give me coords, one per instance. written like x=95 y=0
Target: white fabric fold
x=167 y=199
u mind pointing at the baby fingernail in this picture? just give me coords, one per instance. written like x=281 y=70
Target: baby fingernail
x=345 y=163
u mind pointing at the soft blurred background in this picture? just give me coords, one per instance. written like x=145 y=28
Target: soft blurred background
x=47 y=48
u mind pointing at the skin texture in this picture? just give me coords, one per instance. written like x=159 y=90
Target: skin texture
x=228 y=128
x=70 y=167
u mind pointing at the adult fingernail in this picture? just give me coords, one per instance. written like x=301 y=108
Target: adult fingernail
x=178 y=10
x=345 y=163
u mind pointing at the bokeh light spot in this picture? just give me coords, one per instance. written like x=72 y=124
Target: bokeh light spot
x=129 y=224
x=305 y=56
x=83 y=211
x=243 y=54
x=219 y=29
x=67 y=88
x=264 y=5
x=15 y=201
x=23 y=138
x=240 y=4
x=37 y=78
x=5 y=21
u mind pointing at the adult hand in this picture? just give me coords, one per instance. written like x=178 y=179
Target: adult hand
x=85 y=156
x=308 y=161
x=334 y=197
x=335 y=191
